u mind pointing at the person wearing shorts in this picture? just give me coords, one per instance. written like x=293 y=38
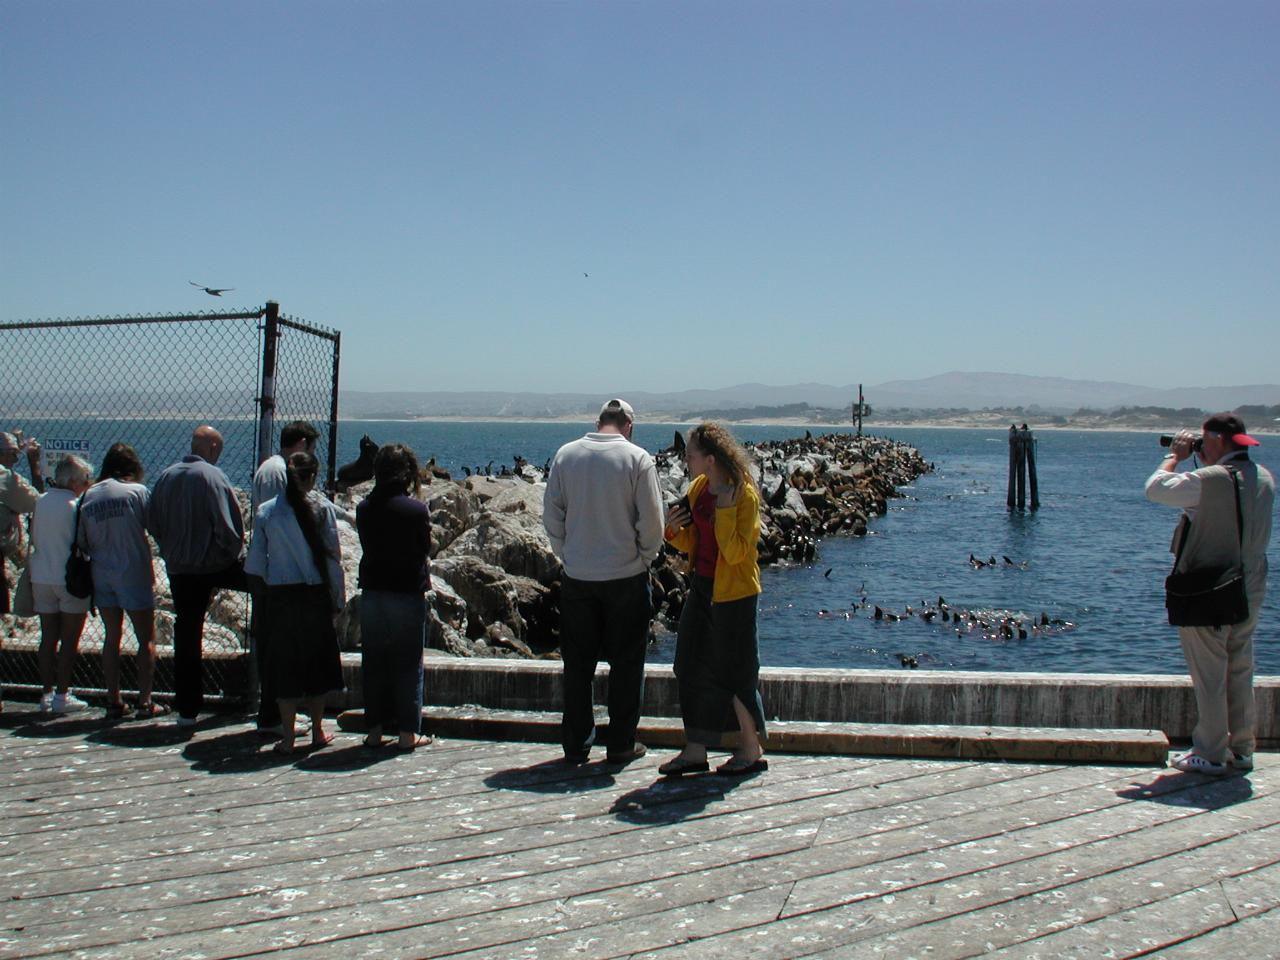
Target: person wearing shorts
x=61 y=614
x=113 y=518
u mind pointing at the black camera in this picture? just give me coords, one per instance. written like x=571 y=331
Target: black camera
x=1196 y=445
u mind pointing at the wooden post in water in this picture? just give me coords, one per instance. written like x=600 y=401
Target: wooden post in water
x=1031 y=470
x=1022 y=459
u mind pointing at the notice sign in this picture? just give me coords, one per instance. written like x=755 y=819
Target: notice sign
x=54 y=449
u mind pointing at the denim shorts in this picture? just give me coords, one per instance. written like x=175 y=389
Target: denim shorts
x=125 y=597
x=54 y=598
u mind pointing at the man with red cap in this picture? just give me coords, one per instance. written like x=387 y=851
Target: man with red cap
x=1213 y=532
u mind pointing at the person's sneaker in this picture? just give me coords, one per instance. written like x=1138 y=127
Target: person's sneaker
x=1194 y=763
x=1242 y=761
x=64 y=703
x=185 y=723
x=46 y=702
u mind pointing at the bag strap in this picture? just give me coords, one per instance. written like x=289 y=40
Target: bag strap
x=75 y=529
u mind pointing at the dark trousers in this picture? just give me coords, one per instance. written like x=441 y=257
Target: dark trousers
x=260 y=641
x=717 y=659
x=393 y=631
x=191 y=595
x=603 y=619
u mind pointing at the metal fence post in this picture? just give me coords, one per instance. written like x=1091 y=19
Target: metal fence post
x=332 y=480
x=267 y=393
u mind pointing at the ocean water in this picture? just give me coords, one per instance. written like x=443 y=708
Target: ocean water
x=1094 y=555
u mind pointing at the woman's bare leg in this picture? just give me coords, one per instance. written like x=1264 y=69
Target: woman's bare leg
x=113 y=628
x=749 y=747
x=144 y=628
x=70 y=628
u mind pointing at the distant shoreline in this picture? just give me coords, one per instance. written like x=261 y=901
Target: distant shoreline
x=867 y=427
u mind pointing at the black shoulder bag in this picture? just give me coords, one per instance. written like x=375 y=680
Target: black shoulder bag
x=79 y=575
x=1209 y=596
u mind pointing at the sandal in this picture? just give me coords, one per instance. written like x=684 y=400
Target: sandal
x=741 y=766
x=283 y=747
x=324 y=740
x=679 y=765
x=118 y=711
x=145 y=711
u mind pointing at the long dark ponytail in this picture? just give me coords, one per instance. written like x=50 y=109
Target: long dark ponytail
x=301 y=469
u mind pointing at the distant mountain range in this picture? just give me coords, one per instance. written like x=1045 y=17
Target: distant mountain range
x=966 y=391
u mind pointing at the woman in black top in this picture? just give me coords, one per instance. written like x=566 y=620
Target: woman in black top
x=395 y=574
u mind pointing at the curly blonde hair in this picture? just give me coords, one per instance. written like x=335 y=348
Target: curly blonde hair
x=714 y=439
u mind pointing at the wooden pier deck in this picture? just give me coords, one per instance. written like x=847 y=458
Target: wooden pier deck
x=129 y=841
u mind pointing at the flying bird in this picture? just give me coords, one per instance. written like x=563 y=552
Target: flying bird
x=212 y=291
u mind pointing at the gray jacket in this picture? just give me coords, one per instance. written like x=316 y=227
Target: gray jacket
x=195 y=517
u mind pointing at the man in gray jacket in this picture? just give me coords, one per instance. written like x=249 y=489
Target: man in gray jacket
x=1220 y=659
x=603 y=513
x=195 y=517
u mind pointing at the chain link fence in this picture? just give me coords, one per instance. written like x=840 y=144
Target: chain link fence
x=81 y=385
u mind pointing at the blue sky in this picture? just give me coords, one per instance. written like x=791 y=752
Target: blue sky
x=775 y=192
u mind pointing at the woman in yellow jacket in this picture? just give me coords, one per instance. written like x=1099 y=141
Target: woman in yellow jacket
x=717 y=658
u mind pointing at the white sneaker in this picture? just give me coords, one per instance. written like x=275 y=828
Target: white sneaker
x=1192 y=762
x=1242 y=761
x=46 y=702
x=64 y=703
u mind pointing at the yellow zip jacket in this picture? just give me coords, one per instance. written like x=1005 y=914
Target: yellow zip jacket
x=737 y=533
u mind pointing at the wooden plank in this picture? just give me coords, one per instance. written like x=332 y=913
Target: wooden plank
x=1091 y=913
x=450 y=844
x=459 y=849
x=459 y=796
x=124 y=850
x=680 y=928
x=907 y=891
x=1254 y=936
x=694 y=883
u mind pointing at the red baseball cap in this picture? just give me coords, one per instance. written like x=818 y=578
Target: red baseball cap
x=1231 y=427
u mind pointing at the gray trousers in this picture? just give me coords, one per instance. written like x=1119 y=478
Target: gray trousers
x=1220 y=660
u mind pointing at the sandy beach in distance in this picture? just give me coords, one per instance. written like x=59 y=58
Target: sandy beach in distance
x=972 y=422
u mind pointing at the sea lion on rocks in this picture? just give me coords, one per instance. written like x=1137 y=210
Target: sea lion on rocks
x=360 y=469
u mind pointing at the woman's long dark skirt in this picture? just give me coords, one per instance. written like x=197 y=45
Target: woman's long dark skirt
x=717 y=659
x=303 y=653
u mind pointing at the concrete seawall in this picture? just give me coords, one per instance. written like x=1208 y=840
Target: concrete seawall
x=1074 y=700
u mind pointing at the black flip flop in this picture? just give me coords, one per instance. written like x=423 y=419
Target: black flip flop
x=733 y=767
x=676 y=767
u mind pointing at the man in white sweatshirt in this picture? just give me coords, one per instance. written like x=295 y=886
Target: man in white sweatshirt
x=603 y=513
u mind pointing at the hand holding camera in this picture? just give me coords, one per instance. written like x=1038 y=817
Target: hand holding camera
x=679 y=514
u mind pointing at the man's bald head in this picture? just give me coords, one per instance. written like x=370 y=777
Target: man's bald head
x=206 y=443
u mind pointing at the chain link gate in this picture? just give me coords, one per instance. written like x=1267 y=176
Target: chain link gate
x=80 y=385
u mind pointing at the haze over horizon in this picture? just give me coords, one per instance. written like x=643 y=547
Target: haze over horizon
x=595 y=197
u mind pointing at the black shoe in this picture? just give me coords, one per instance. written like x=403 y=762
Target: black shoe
x=626 y=756
x=576 y=759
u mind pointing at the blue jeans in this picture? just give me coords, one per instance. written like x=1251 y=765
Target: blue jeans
x=393 y=631
x=606 y=619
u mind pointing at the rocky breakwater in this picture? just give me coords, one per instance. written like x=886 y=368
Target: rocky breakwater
x=811 y=487
x=497 y=582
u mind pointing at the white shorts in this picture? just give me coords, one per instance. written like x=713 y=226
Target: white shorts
x=54 y=598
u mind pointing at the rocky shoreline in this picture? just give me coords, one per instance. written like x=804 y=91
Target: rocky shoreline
x=496 y=582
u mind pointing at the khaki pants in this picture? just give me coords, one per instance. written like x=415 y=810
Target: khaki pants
x=1220 y=660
